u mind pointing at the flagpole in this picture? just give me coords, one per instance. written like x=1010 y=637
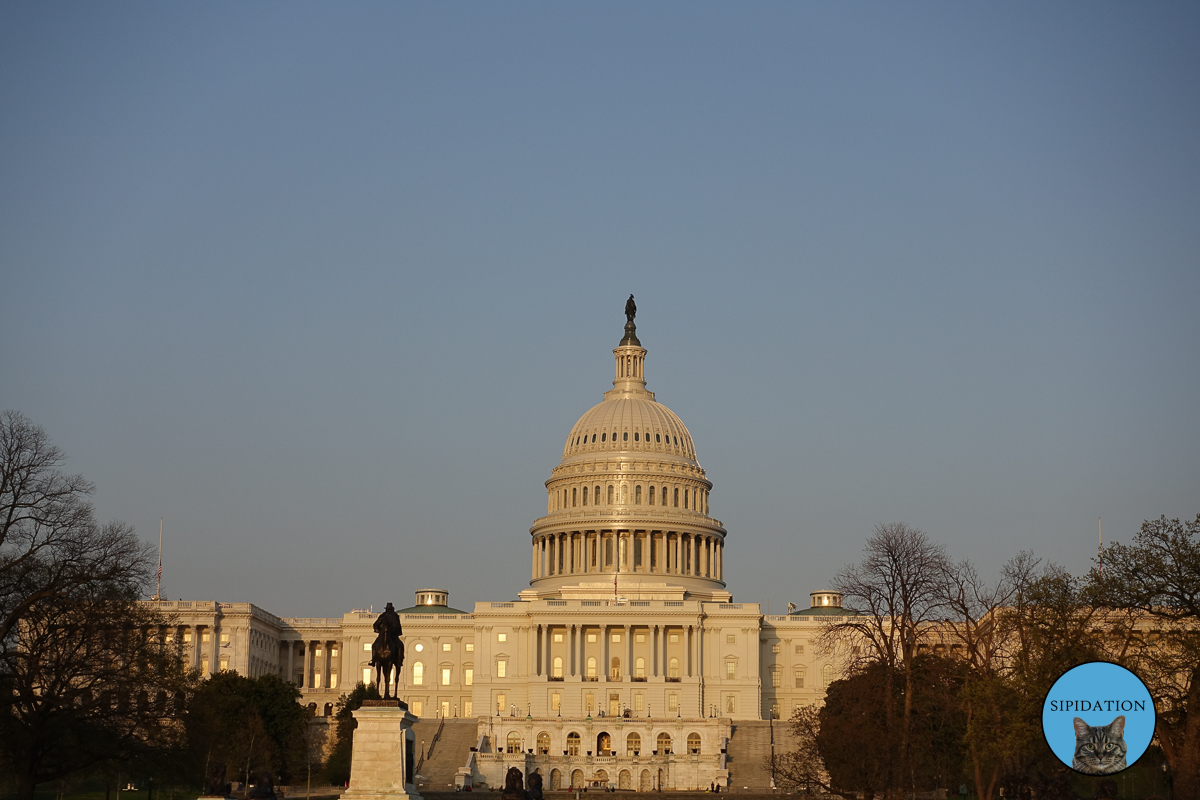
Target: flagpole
x=1100 y=544
x=158 y=594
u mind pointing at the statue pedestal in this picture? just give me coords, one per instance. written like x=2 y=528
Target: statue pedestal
x=381 y=767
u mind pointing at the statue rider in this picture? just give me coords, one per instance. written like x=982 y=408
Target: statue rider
x=388 y=625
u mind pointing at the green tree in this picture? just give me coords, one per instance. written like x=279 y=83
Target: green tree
x=248 y=724
x=1157 y=578
x=338 y=767
x=86 y=674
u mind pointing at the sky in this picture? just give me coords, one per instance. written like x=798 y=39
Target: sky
x=325 y=286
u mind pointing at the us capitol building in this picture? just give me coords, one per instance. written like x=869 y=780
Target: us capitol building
x=626 y=661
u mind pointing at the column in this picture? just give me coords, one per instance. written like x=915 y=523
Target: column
x=533 y=559
x=550 y=555
x=628 y=675
x=547 y=646
x=603 y=670
x=579 y=637
x=291 y=662
x=654 y=633
x=666 y=637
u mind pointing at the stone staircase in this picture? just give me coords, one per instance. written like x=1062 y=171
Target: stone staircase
x=449 y=753
x=749 y=749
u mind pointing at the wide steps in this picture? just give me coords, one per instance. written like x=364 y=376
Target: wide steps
x=749 y=751
x=449 y=754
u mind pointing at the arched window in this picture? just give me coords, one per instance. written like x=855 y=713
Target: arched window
x=635 y=436
x=418 y=673
x=596 y=496
x=685 y=498
x=633 y=744
x=573 y=743
x=651 y=495
x=312 y=709
x=625 y=437
x=603 y=437
x=558 y=667
x=585 y=493
x=614 y=672
x=657 y=438
x=676 y=498
x=574 y=497
x=608 y=555
x=639 y=667
x=591 y=667
x=827 y=675
x=514 y=743
x=610 y=494
x=543 y=743
x=798 y=675
x=673 y=668
x=624 y=494
x=637 y=495
x=328 y=710
x=693 y=743
x=603 y=745
x=593 y=438
x=664 y=744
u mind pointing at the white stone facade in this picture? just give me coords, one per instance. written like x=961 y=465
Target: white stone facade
x=627 y=630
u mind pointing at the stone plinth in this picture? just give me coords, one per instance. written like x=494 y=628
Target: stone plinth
x=381 y=767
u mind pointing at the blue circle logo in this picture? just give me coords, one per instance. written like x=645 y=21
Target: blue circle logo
x=1098 y=718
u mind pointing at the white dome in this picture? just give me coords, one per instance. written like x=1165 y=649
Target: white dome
x=630 y=424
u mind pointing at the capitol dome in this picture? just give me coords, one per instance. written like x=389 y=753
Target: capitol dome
x=627 y=513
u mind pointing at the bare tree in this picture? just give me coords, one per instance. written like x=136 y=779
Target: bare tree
x=82 y=668
x=896 y=596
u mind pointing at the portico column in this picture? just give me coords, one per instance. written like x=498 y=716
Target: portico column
x=579 y=650
x=548 y=646
x=628 y=676
x=603 y=671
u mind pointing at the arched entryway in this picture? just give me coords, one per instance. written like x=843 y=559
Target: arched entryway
x=602 y=777
x=577 y=779
x=603 y=744
x=555 y=780
x=625 y=780
x=644 y=781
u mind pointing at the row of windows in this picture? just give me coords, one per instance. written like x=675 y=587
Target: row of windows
x=575 y=496
x=604 y=438
x=418 y=673
x=633 y=743
x=614 y=668
x=798 y=675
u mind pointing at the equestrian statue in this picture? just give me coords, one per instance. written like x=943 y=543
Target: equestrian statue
x=387 y=653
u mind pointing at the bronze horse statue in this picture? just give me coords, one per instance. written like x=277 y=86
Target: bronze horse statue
x=387 y=652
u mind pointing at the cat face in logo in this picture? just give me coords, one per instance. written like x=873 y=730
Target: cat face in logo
x=1100 y=749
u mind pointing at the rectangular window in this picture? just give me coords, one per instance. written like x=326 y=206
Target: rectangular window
x=501 y=637
x=731 y=639
x=673 y=638
x=333 y=652
x=418 y=708
x=316 y=676
x=204 y=665
x=591 y=637
x=673 y=702
x=204 y=637
x=366 y=647
x=467 y=709
x=799 y=649
x=677 y=498
x=616 y=637
x=445 y=676
x=445 y=647
x=730 y=705
x=367 y=677
x=776 y=678
x=555 y=701
x=501 y=702
x=418 y=674
x=558 y=637
x=187 y=638
x=799 y=675
x=468 y=676
x=225 y=638
x=470 y=647
x=225 y=668
x=730 y=669
x=501 y=669
x=639 y=702
x=589 y=702
x=651 y=495
x=641 y=637
x=333 y=680
x=776 y=648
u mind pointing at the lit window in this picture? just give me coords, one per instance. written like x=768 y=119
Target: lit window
x=445 y=676
x=333 y=652
x=501 y=637
x=693 y=743
x=367 y=647
x=419 y=647
x=225 y=638
x=730 y=669
x=616 y=637
x=469 y=677
x=777 y=648
x=558 y=637
x=204 y=636
x=367 y=678
x=591 y=667
x=673 y=669
x=418 y=708
x=187 y=638
x=639 y=667
x=573 y=738
x=418 y=673
x=633 y=744
x=445 y=647
x=673 y=638
x=332 y=680
x=591 y=637
x=316 y=677
x=558 y=673
x=555 y=701
x=501 y=669
x=501 y=702
x=470 y=647
x=640 y=637
x=225 y=667
x=467 y=708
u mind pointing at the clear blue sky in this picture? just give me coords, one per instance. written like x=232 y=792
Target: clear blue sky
x=326 y=285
